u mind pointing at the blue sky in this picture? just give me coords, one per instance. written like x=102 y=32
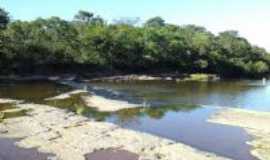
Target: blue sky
x=249 y=17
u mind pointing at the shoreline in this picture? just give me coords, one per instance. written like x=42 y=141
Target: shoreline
x=69 y=136
x=118 y=77
x=255 y=123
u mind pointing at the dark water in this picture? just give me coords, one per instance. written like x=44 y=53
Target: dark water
x=31 y=91
x=112 y=154
x=171 y=110
x=9 y=151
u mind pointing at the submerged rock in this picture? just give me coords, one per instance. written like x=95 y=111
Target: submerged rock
x=107 y=105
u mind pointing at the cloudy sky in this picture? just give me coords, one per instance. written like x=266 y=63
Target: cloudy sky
x=250 y=17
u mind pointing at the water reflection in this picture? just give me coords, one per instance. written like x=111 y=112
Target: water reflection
x=230 y=93
x=192 y=128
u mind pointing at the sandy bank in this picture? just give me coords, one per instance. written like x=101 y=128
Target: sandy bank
x=256 y=123
x=70 y=137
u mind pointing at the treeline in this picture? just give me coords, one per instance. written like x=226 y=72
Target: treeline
x=88 y=43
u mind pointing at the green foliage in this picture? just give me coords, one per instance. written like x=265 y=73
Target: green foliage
x=83 y=16
x=4 y=19
x=258 y=67
x=155 y=22
x=89 y=43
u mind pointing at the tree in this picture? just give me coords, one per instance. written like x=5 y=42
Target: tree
x=258 y=68
x=97 y=20
x=83 y=16
x=155 y=22
x=4 y=19
x=90 y=43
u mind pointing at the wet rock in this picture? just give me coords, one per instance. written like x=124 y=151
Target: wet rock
x=107 y=105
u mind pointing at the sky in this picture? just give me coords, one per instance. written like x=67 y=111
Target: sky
x=250 y=17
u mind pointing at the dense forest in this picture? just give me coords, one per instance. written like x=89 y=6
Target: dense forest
x=89 y=44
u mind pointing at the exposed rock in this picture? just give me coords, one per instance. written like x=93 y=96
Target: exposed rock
x=107 y=105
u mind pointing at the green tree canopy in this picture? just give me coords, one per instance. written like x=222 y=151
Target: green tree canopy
x=84 y=16
x=88 y=44
x=4 y=18
x=155 y=22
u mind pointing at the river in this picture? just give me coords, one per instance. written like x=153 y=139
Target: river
x=177 y=111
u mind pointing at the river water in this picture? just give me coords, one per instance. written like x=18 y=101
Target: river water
x=177 y=111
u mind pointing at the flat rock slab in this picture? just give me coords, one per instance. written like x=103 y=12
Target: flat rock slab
x=112 y=154
x=9 y=151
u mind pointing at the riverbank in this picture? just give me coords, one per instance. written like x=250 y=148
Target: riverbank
x=156 y=77
x=117 y=77
x=255 y=123
x=70 y=136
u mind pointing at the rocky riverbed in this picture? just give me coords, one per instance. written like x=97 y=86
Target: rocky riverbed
x=70 y=136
